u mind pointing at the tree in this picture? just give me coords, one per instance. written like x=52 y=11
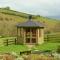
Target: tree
x=8 y=8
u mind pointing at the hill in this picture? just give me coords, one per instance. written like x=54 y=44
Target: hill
x=9 y=19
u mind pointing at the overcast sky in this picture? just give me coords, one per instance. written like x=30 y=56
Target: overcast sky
x=39 y=7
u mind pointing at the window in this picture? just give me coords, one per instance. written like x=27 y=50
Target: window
x=30 y=35
x=27 y=30
x=33 y=31
x=27 y=40
x=33 y=40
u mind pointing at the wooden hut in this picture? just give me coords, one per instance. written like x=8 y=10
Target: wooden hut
x=30 y=32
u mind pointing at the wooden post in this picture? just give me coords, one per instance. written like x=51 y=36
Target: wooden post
x=17 y=35
x=47 y=37
x=15 y=41
x=7 y=42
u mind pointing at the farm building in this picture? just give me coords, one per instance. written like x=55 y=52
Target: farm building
x=30 y=32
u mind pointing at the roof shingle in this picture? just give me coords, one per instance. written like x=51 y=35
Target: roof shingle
x=30 y=23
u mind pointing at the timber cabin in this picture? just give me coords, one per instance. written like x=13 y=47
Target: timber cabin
x=30 y=32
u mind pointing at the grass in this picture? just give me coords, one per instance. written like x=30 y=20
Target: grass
x=13 y=48
x=15 y=13
x=19 y=48
x=46 y=46
x=7 y=38
x=15 y=17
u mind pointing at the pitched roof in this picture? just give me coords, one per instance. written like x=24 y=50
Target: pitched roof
x=30 y=23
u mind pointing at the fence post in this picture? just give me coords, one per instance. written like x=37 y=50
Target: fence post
x=7 y=42
x=15 y=41
x=47 y=37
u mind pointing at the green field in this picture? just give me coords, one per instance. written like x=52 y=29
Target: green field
x=19 y=48
x=13 y=48
x=47 y=46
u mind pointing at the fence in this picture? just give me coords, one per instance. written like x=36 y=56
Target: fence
x=10 y=41
x=52 y=37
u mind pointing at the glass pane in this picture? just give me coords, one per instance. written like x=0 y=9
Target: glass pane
x=27 y=40
x=28 y=30
x=33 y=40
x=33 y=31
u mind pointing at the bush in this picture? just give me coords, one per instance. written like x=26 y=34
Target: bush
x=8 y=8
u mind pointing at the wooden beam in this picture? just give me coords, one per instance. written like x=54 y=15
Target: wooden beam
x=17 y=34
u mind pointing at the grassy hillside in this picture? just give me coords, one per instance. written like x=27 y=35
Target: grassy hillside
x=14 y=13
x=51 y=25
x=9 y=19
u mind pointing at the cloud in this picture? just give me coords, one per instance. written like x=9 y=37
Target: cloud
x=42 y=7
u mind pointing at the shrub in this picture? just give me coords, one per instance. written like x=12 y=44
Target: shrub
x=6 y=19
x=7 y=8
x=1 y=18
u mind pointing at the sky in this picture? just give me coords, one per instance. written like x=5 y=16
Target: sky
x=36 y=7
